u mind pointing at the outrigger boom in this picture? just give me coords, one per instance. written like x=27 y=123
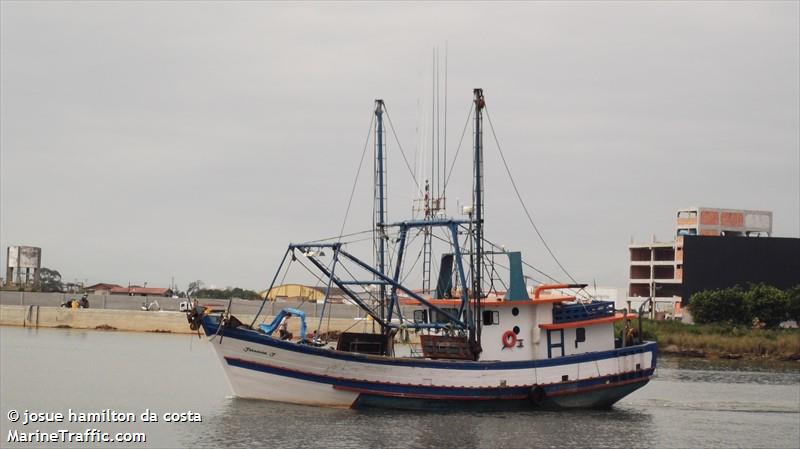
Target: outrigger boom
x=382 y=279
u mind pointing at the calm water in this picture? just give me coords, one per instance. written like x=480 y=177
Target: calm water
x=691 y=404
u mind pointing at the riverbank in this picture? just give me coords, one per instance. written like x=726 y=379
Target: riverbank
x=721 y=341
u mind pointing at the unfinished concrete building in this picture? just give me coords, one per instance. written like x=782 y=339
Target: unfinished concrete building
x=699 y=259
x=724 y=222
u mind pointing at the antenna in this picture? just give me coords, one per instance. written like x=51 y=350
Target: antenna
x=444 y=158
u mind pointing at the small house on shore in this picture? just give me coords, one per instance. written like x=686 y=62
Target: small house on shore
x=141 y=291
x=101 y=288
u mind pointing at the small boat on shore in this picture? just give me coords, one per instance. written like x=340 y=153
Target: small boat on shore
x=552 y=347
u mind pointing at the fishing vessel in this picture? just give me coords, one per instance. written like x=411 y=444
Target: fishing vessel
x=484 y=341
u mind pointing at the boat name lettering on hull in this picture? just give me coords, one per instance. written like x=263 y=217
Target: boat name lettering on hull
x=268 y=354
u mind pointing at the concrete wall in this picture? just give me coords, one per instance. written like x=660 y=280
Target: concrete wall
x=124 y=302
x=138 y=321
x=122 y=312
x=130 y=320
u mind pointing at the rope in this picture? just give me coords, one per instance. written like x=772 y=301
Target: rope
x=524 y=207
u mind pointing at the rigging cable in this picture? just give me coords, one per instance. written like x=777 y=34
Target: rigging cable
x=578 y=292
x=339 y=237
x=408 y=273
x=519 y=197
x=403 y=153
x=266 y=295
x=355 y=181
x=497 y=247
x=463 y=133
x=319 y=279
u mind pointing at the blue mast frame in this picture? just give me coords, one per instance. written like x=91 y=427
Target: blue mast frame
x=394 y=282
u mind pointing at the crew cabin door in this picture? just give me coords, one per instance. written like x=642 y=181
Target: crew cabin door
x=555 y=343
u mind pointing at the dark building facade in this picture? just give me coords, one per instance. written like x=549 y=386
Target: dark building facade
x=720 y=262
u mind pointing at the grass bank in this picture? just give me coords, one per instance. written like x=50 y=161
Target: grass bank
x=723 y=341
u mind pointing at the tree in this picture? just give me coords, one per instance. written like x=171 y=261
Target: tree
x=766 y=303
x=793 y=296
x=758 y=303
x=194 y=287
x=719 y=306
x=50 y=281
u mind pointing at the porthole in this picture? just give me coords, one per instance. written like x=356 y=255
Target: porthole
x=516 y=330
x=515 y=311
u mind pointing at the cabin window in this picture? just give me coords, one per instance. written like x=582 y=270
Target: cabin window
x=516 y=330
x=580 y=335
x=420 y=316
x=491 y=317
x=515 y=311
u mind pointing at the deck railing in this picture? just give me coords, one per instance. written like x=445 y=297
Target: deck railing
x=564 y=313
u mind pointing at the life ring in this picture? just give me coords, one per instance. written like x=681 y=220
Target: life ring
x=509 y=339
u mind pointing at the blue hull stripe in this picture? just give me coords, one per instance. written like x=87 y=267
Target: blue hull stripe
x=210 y=325
x=443 y=392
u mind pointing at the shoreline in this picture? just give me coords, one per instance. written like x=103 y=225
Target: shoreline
x=674 y=338
x=723 y=341
x=699 y=353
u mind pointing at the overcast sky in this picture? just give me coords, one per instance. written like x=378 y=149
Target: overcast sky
x=141 y=141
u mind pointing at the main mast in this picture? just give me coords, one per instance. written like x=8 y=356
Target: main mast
x=478 y=205
x=380 y=199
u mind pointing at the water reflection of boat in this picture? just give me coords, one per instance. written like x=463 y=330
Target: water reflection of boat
x=547 y=348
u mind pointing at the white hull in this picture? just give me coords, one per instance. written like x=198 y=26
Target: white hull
x=260 y=367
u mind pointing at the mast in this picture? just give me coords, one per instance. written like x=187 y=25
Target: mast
x=426 y=242
x=478 y=202
x=380 y=199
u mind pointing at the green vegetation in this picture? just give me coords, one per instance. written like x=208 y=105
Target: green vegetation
x=196 y=290
x=722 y=340
x=793 y=295
x=734 y=322
x=758 y=305
x=228 y=293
